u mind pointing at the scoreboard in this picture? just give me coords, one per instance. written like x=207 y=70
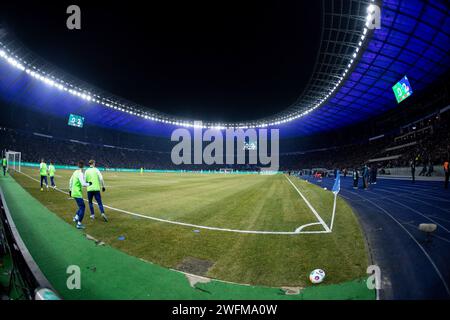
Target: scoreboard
x=402 y=89
x=76 y=121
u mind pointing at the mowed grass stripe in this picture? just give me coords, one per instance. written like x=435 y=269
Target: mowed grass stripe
x=245 y=202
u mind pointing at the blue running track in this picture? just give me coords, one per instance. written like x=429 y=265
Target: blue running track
x=390 y=212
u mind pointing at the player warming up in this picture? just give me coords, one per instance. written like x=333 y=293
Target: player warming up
x=43 y=173
x=51 y=173
x=76 y=184
x=94 y=176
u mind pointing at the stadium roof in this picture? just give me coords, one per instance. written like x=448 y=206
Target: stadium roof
x=352 y=80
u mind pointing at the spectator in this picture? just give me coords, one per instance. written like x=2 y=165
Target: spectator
x=355 y=178
x=373 y=174
x=430 y=169
x=446 y=172
x=424 y=169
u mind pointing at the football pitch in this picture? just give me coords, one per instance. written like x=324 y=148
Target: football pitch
x=245 y=228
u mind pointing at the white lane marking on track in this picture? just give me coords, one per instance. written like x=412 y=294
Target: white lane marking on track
x=414 y=239
x=194 y=225
x=439 y=218
x=418 y=193
x=415 y=199
x=415 y=211
x=441 y=238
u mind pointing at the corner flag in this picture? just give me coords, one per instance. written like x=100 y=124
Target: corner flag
x=337 y=183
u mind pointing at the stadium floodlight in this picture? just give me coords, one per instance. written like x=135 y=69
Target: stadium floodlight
x=59 y=84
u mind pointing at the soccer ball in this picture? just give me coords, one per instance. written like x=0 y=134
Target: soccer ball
x=317 y=276
x=325 y=188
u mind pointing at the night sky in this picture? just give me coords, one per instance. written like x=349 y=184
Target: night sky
x=212 y=60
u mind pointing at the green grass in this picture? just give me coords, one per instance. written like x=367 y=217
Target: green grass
x=249 y=202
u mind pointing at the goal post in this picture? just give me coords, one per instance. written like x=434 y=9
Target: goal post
x=226 y=170
x=14 y=160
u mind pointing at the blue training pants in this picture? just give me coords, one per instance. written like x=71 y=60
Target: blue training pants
x=44 y=178
x=98 y=198
x=81 y=208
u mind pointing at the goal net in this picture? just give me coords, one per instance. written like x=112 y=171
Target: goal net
x=225 y=170
x=14 y=159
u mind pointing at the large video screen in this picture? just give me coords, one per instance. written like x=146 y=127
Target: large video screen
x=402 y=89
x=76 y=121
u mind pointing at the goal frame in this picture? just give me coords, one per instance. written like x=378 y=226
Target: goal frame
x=14 y=159
x=226 y=170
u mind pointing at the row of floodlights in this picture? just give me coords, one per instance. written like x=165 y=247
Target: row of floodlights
x=369 y=19
x=83 y=94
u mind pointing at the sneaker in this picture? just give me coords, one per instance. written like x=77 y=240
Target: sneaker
x=104 y=217
x=75 y=219
x=80 y=226
x=92 y=217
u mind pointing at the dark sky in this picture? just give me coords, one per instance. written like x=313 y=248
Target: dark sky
x=211 y=60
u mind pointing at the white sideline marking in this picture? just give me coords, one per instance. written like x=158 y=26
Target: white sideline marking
x=319 y=218
x=199 y=226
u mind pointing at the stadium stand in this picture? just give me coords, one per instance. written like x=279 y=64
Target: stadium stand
x=426 y=140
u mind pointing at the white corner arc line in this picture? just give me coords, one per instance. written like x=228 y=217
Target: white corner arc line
x=194 y=225
x=319 y=218
x=299 y=229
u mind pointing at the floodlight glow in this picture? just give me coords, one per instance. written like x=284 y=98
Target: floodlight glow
x=370 y=9
x=36 y=73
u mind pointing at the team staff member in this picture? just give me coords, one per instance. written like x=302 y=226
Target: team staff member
x=43 y=173
x=355 y=178
x=76 y=184
x=4 y=165
x=94 y=176
x=447 y=173
x=51 y=173
x=413 y=170
x=365 y=177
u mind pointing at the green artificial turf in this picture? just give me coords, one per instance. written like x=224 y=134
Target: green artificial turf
x=249 y=202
